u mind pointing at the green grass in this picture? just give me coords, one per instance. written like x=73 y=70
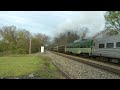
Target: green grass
x=20 y=66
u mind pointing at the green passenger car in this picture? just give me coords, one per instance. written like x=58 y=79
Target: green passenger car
x=80 y=47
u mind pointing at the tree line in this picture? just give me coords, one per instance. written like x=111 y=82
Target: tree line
x=17 y=40
x=69 y=36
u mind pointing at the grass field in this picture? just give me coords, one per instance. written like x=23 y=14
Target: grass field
x=21 y=66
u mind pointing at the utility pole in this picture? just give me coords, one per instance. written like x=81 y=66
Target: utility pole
x=30 y=47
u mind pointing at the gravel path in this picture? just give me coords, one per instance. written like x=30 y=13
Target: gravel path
x=77 y=70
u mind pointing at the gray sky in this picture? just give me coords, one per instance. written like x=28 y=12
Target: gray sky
x=53 y=22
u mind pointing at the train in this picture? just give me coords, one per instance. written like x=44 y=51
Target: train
x=107 y=48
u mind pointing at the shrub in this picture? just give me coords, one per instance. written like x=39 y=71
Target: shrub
x=21 y=51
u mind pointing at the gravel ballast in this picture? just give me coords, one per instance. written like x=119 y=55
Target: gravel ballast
x=77 y=70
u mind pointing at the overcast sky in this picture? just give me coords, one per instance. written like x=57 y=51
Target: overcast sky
x=52 y=22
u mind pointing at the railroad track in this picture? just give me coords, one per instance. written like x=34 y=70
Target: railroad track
x=108 y=67
x=65 y=75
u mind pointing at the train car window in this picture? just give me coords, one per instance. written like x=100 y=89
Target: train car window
x=110 y=45
x=101 y=45
x=118 y=44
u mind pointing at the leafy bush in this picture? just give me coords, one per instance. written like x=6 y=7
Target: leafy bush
x=21 y=51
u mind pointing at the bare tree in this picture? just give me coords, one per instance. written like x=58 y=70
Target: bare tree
x=83 y=32
x=66 y=37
